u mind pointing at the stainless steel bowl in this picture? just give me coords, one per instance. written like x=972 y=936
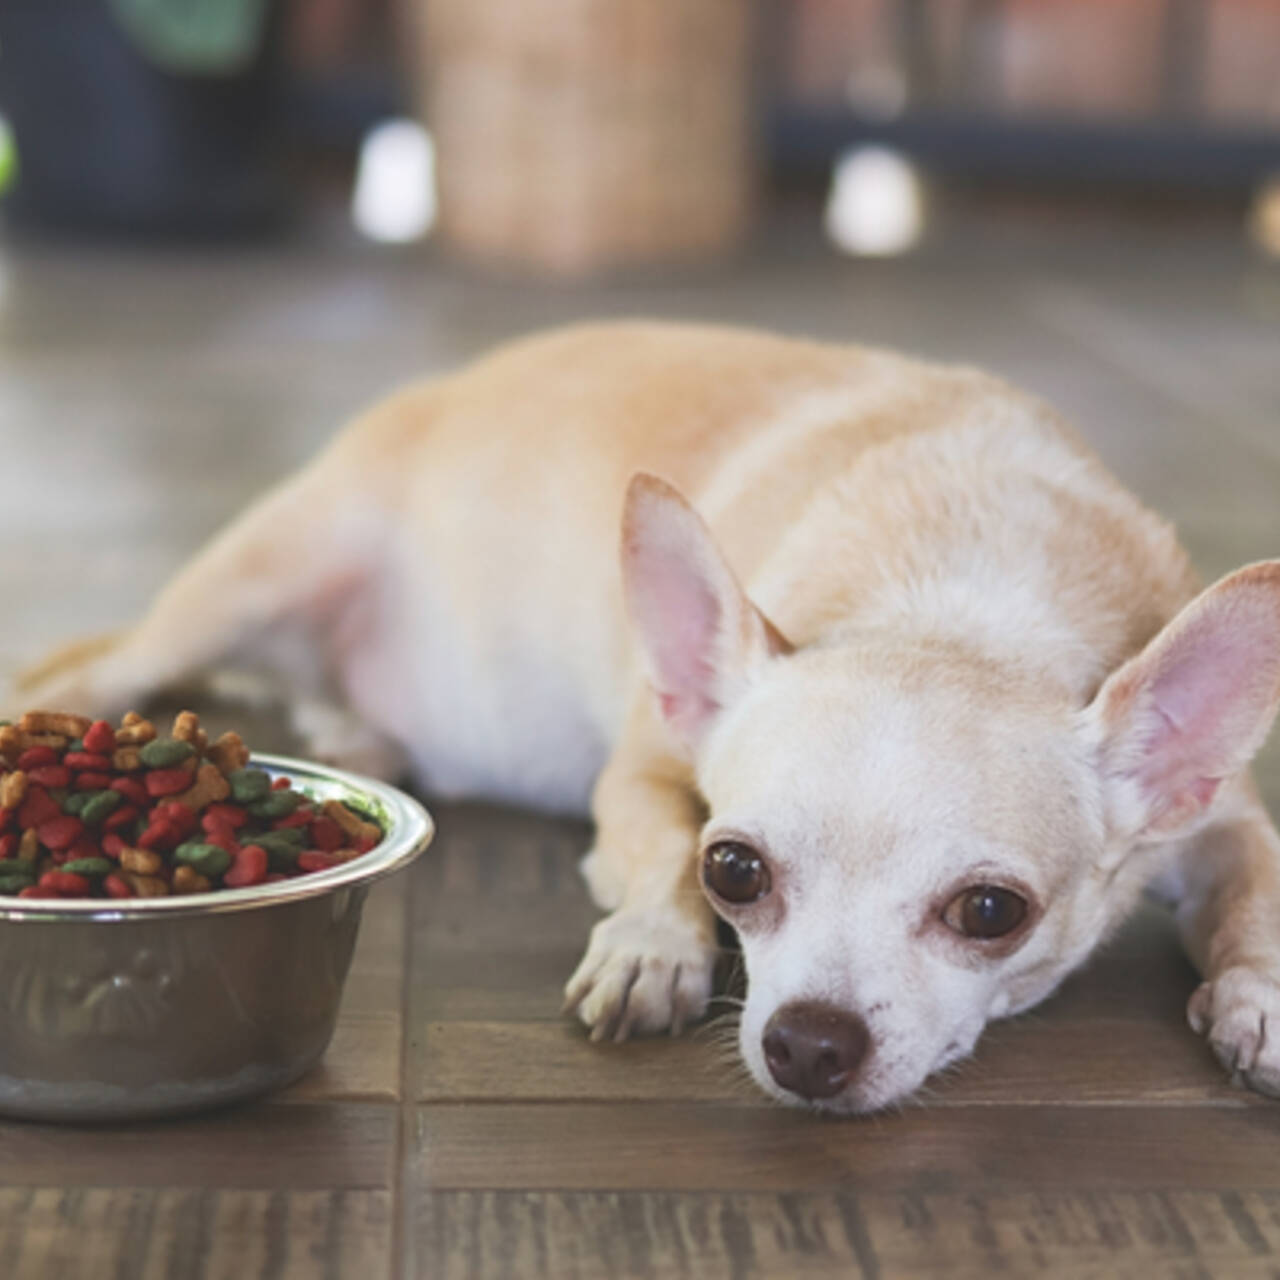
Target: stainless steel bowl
x=153 y=1006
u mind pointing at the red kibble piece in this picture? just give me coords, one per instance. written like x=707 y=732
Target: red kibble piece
x=363 y=846
x=249 y=867
x=92 y=781
x=65 y=883
x=317 y=860
x=50 y=775
x=100 y=737
x=300 y=817
x=8 y=844
x=85 y=847
x=326 y=834
x=38 y=807
x=166 y=782
x=36 y=757
x=87 y=760
x=224 y=838
x=180 y=815
x=133 y=791
x=159 y=835
x=34 y=891
x=120 y=818
x=232 y=815
x=117 y=887
x=280 y=784
x=113 y=846
x=60 y=833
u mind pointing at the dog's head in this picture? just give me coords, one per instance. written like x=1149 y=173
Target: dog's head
x=908 y=839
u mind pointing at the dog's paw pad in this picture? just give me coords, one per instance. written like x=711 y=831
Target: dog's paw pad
x=1239 y=1011
x=644 y=971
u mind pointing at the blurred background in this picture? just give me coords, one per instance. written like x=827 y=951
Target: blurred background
x=226 y=225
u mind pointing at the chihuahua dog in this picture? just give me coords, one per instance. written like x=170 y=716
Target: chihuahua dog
x=891 y=675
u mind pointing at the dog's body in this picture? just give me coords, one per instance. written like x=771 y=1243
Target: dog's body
x=956 y=578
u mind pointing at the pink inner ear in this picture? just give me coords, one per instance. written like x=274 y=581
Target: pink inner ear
x=680 y=616
x=1212 y=695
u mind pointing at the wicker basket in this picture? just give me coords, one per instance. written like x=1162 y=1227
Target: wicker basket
x=573 y=135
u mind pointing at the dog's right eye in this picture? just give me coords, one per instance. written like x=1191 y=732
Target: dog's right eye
x=735 y=872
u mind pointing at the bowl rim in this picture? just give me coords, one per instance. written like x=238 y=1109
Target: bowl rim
x=410 y=830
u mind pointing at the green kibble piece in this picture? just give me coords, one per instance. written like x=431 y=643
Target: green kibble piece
x=279 y=804
x=74 y=802
x=249 y=785
x=88 y=866
x=164 y=753
x=294 y=837
x=207 y=859
x=15 y=882
x=100 y=804
x=282 y=850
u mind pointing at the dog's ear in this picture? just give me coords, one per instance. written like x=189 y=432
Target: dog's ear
x=700 y=635
x=1190 y=710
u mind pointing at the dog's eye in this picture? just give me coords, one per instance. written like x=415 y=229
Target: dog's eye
x=986 y=911
x=735 y=872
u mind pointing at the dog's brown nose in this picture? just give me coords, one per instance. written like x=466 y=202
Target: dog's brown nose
x=814 y=1049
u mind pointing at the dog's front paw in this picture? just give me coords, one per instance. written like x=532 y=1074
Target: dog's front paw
x=1239 y=1010
x=645 y=970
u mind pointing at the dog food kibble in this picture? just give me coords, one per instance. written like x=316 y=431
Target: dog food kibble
x=92 y=811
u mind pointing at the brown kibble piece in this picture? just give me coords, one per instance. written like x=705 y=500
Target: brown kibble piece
x=186 y=728
x=146 y=886
x=352 y=824
x=134 y=731
x=126 y=759
x=57 y=722
x=13 y=789
x=142 y=862
x=210 y=788
x=29 y=845
x=14 y=741
x=229 y=753
x=189 y=880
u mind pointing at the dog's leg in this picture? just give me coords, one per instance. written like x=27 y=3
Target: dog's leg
x=649 y=964
x=265 y=591
x=1228 y=879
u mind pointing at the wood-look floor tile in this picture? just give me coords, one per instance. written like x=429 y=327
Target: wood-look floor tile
x=600 y=1235
x=1228 y=1146
x=1032 y=1060
x=60 y=1233
x=326 y=1146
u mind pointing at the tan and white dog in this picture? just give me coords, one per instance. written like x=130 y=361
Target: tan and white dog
x=920 y=700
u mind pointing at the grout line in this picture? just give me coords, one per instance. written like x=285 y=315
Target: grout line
x=400 y=1236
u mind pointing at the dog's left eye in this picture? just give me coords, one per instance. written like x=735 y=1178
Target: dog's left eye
x=735 y=872
x=985 y=911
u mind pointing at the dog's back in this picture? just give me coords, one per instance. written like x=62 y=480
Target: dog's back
x=846 y=485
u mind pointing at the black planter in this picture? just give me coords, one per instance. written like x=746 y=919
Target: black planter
x=108 y=141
